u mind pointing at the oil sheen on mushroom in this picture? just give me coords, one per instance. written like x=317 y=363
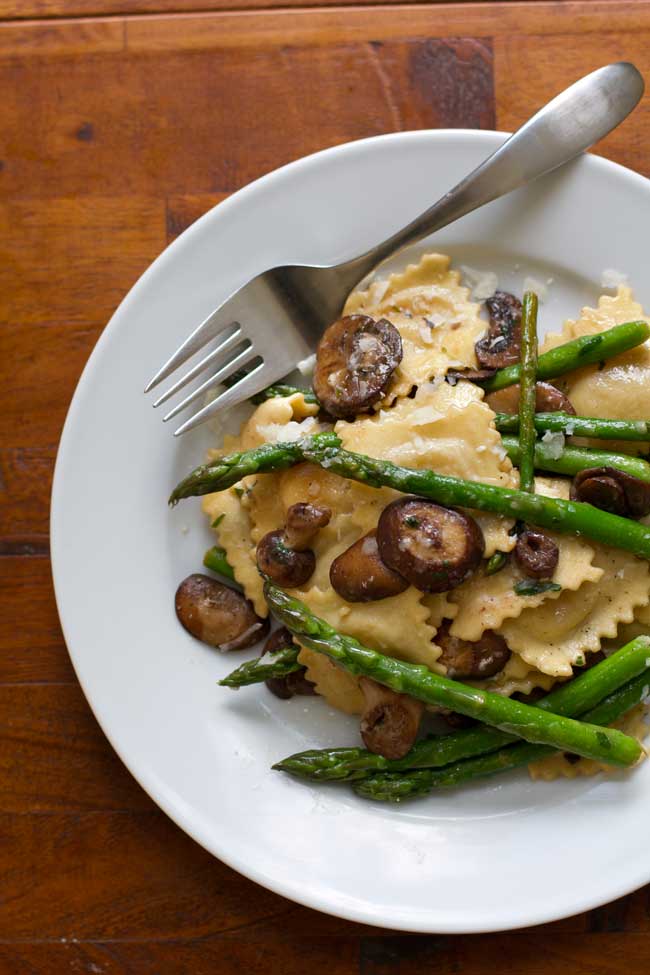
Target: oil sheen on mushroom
x=502 y=344
x=467 y=660
x=216 y=614
x=536 y=554
x=390 y=721
x=433 y=548
x=359 y=575
x=612 y=490
x=548 y=399
x=355 y=361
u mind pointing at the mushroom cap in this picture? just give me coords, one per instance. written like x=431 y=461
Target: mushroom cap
x=432 y=547
x=216 y=614
x=355 y=360
x=284 y=565
x=359 y=575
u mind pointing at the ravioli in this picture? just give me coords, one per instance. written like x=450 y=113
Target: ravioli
x=618 y=389
x=555 y=636
x=434 y=316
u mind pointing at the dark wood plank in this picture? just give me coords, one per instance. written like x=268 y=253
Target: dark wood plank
x=70 y=260
x=291 y=955
x=123 y=122
x=25 y=485
x=38 y=374
x=98 y=876
x=185 y=208
x=55 y=757
x=32 y=642
x=530 y=70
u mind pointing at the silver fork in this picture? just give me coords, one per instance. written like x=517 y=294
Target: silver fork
x=263 y=330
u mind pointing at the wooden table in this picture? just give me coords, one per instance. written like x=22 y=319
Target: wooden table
x=121 y=122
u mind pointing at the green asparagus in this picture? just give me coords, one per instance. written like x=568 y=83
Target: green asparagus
x=579 y=426
x=277 y=664
x=574 y=459
x=216 y=559
x=398 y=786
x=226 y=471
x=570 y=517
x=527 y=392
x=575 y=354
x=514 y=717
x=571 y=700
x=495 y=563
x=280 y=390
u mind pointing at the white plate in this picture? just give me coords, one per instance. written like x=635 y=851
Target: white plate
x=505 y=853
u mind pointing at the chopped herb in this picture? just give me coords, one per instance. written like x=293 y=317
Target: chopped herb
x=217 y=521
x=534 y=587
x=580 y=661
x=412 y=521
x=495 y=563
x=239 y=492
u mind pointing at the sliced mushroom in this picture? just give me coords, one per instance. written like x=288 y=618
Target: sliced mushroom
x=355 y=361
x=358 y=575
x=283 y=555
x=434 y=548
x=294 y=683
x=536 y=554
x=303 y=522
x=612 y=490
x=548 y=399
x=390 y=721
x=283 y=564
x=502 y=344
x=472 y=661
x=473 y=375
x=217 y=614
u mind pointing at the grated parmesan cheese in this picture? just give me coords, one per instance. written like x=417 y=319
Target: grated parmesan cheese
x=482 y=284
x=554 y=443
x=611 y=278
x=306 y=366
x=540 y=289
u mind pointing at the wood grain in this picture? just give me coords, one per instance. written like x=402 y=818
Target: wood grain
x=118 y=132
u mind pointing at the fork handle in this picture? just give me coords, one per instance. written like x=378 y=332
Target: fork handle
x=568 y=125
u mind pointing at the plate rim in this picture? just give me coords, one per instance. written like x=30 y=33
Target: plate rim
x=146 y=778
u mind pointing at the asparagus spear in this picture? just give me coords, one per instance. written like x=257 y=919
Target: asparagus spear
x=527 y=434
x=279 y=663
x=516 y=718
x=495 y=563
x=398 y=786
x=226 y=471
x=575 y=354
x=571 y=700
x=570 y=517
x=282 y=390
x=579 y=426
x=216 y=559
x=574 y=459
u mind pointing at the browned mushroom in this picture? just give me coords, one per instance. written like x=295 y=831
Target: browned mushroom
x=217 y=614
x=390 y=721
x=360 y=576
x=548 y=399
x=502 y=344
x=467 y=660
x=303 y=522
x=283 y=564
x=355 y=361
x=612 y=490
x=473 y=375
x=294 y=683
x=283 y=555
x=536 y=554
x=434 y=548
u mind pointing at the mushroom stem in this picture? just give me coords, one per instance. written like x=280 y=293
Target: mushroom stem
x=390 y=721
